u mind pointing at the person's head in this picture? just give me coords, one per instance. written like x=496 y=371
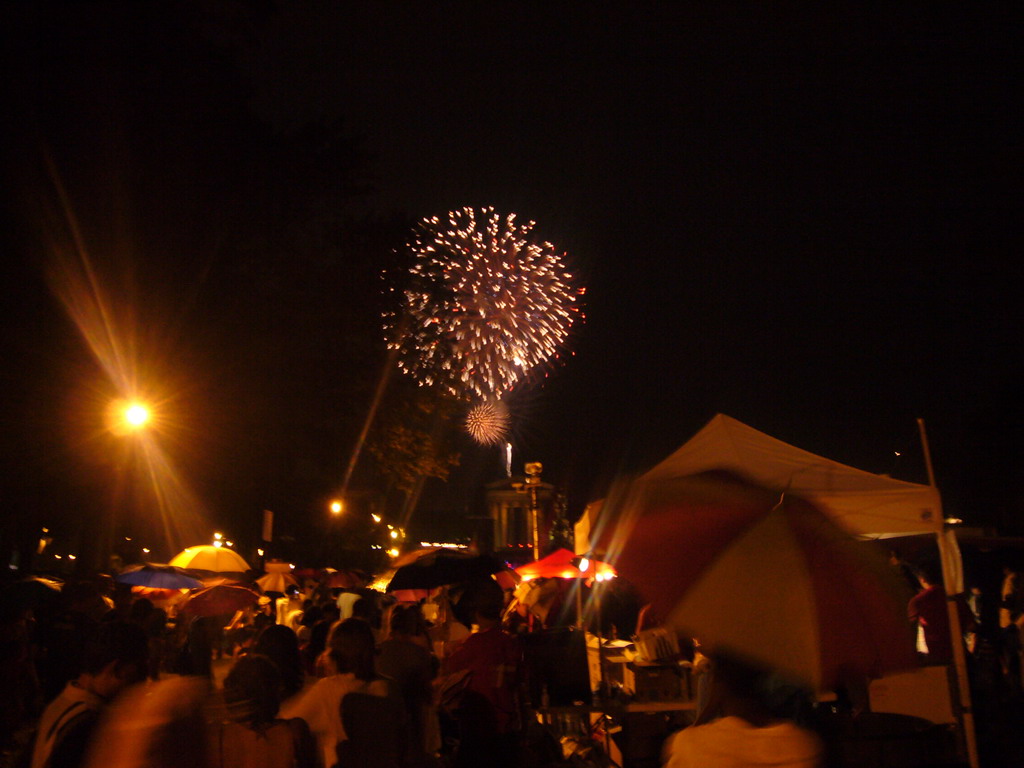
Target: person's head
x=140 y=611
x=331 y=613
x=279 y=643
x=253 y=689
x=407 y=619
x=485 y=599
x=366 y=608
x=351 y=647
x=739 y=687
x=928 y=573
x=115 y=656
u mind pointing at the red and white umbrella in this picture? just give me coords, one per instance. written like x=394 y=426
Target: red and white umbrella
x=770 y=579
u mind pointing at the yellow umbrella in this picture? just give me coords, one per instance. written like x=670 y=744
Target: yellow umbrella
x=213 y=559
x=277 y=582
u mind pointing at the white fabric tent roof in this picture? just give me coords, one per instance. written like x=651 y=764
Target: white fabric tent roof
x=864 y=503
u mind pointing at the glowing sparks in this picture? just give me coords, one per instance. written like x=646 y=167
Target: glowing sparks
x=484 y=304
x=487 y=423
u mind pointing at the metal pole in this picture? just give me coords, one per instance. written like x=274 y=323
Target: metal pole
x=955 y=630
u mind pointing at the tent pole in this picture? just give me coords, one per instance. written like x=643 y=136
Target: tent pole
x=966 y=713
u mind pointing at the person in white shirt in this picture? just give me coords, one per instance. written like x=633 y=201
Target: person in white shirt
x=351 y=650
x=743 y=733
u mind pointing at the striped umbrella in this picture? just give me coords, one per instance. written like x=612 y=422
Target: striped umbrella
x=770 y=579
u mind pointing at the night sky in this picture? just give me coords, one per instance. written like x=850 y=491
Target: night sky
x=803 y=217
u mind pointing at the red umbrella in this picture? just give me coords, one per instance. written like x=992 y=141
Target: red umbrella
x=344 y=580
x=563 y=564
x=219 y=600
x=774 y=580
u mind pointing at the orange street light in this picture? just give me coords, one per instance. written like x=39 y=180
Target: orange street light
x=136 y=415
x=336 y=507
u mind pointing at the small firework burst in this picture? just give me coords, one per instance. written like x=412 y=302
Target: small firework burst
x=487 y=422
x=484 y=305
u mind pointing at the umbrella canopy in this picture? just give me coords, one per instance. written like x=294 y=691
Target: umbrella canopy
x=563 y=564
x=212 y=559
x=429 y=568
x=344 y=579
x=774 y=580
x=277 y=582
x=219 y=600
x=33 y=592
x=157 y=576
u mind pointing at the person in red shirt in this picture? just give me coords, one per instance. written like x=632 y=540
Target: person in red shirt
x=928 y=609
x=489 y=718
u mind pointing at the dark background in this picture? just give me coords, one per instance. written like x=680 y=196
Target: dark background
x=803 y=217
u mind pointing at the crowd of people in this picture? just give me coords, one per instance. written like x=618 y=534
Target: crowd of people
x=105 y=678
x=318 y=680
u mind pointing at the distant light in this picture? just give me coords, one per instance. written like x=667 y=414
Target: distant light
x=393 y=552
x=394 y=534
x=46 y=530
x=376 y=518
x=584 y=564
x=218 y=543
x=391 y=527
x=57 y=556
x=145 y=550
x=259 y=552
x=136 y=415
x=292 y=566
x=230 y=543
x=897 y=453
x=218 y=536
x=336 y=507
x=127 y=538
x=71 y=557
x=953 y=521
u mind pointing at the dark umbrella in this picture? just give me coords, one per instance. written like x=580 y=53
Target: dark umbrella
x=219 y=600
x=427 y=569
x=157 y=576
x=32 y=592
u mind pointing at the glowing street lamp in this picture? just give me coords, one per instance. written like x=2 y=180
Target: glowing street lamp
x=137 y=415
x=336 y=507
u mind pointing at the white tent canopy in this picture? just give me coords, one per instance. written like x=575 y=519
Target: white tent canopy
x=867 y=505
x=864 y=503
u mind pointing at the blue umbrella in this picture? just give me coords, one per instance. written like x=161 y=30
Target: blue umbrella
x=157 y=576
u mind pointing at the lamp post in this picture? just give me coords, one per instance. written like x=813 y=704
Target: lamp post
x=533 y=470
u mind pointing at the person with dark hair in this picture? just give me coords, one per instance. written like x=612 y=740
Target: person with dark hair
x=280 y=645
x=351 y=651
x=405 y=659
x=318 y=638
x=60 y=636
x=489 y=716
x=928 y=609
x=114 y=656
x=737 y=728
x=254 y=736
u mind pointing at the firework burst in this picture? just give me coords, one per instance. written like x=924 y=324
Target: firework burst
x=488 y=422
x=484 y=305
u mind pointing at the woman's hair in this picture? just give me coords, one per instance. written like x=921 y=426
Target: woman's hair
x=278 y=643
x=252 y=690
x=407 y=619
x=351 y=647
